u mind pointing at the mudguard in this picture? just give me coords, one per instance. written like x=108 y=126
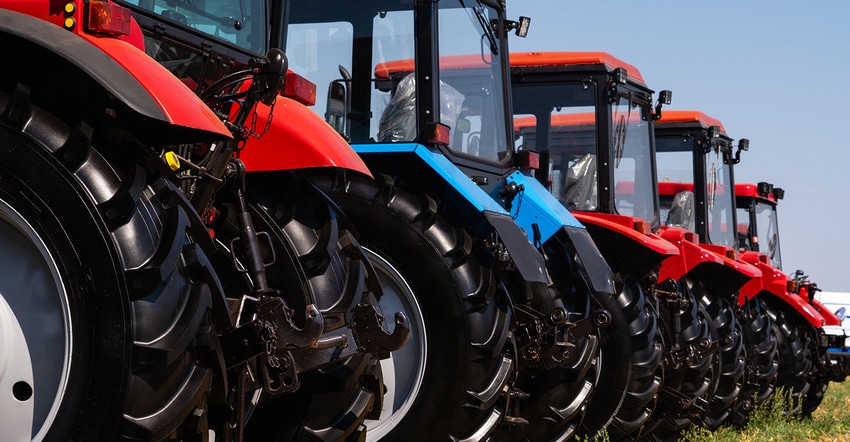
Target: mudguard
x=435 y=171
x=622 y=246
x=706 y=262
x=536 y=205
x=538 y=212
x=775 y=283
x=125 y=72
x=691 y=256
x=297 y=138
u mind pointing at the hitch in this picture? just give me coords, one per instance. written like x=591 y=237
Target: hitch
x=681 y=405
x=265 y=325
x=370 y=334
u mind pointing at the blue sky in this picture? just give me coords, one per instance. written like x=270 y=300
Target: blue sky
x=773 y=72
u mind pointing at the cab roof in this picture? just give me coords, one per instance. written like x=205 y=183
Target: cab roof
x=689 y=116
x=752 y=191
x=578 y=119
x=554 y=59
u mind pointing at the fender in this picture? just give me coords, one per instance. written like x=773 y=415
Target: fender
x=297 y=138
x=127 y=73
x=734 y=275
x=805 y=291
x=537 y=207
x=624 y=247
x=775 y=285
x=691 y=255
x=433 y=173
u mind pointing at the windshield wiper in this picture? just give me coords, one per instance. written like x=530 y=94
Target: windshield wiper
x=485 y=26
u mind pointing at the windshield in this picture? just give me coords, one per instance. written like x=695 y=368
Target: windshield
x=239 y=22
x=675 y=171
x=471 y=75
x=634 y=187
x=561 y=119
x=719 y=198
x=767 y=227
x=366 y=51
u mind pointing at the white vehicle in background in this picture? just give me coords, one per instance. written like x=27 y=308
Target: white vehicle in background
x=838 y=303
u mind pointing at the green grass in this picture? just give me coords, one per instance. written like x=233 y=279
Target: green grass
x=830 y=422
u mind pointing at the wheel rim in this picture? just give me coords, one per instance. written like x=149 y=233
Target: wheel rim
x=404 y=370
x=34 y=301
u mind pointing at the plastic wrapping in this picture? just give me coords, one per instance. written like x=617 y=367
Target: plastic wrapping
x=398 y=121
x=681 y=212
x=580 y=185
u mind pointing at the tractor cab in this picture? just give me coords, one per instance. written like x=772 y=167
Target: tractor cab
x=584 y=112
x=590 y=116
x=758 y=230
x=394 y=74
x=695 y=176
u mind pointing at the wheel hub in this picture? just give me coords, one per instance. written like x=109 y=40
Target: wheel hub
x=16 y=377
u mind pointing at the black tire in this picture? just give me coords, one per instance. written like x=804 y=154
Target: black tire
x=730 y=359
x=686 y=384
x=317 y=259
x=814 y=398
x=796 y=357
x=449 y=378
x=632 y=352
x=112 y=240
x=819 y=375
x=762 y=360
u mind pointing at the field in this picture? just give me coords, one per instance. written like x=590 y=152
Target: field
x=830 y=422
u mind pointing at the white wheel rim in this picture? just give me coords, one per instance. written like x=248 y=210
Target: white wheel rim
x=404 y=370
x=34 y=310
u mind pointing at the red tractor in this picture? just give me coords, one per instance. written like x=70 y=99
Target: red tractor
x=696 y=181
x=153 y=289
x=814 y=351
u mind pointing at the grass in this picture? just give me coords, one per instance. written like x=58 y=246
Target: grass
x=829 y=423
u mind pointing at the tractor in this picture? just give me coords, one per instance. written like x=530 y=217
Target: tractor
x=696 y=185
x=813 y=348
x=154 y=290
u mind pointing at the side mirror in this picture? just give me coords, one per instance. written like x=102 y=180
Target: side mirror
x=336 y=113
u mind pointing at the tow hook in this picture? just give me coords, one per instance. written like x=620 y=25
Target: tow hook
x=372 y=336
x=264 y=326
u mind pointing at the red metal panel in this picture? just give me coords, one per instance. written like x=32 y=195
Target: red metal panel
x=297 y=139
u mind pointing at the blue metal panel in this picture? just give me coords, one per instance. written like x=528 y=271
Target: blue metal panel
x=537 y=206
x=440 y=164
